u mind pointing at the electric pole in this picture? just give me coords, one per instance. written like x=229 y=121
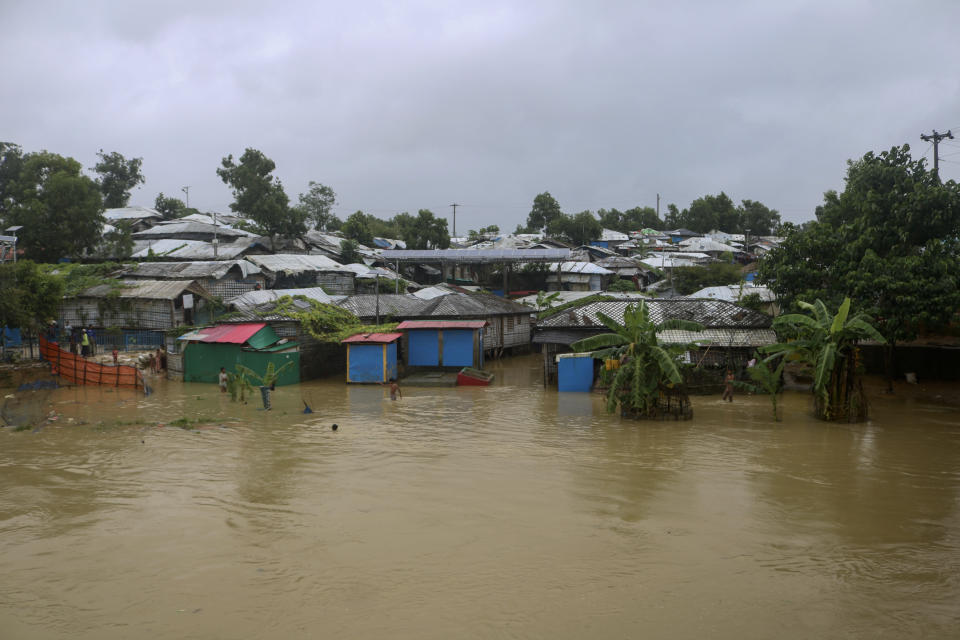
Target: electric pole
x=935 y=138
x=186 y=190
x=658 y=205
x=454 y=205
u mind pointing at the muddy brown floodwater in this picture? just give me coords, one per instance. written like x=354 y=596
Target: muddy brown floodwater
x=505 y=512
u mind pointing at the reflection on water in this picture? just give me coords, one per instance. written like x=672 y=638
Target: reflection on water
x=508 y=511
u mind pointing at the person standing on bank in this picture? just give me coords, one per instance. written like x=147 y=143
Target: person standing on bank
x=93 y=340
x=85 y=344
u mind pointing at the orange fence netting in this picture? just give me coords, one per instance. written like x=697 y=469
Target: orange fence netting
x=79 y=370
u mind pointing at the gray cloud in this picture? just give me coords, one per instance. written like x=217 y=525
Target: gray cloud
x=487 y=104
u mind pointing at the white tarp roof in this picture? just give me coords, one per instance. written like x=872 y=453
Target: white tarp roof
x=703 y=245
x=295 y=263
x=252 y=299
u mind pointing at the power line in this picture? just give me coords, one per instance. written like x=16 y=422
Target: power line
x=936 y=138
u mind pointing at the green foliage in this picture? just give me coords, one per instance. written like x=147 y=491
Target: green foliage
x=752 y=301
x=766 y=380
x=479 y=234
x=622 y=285
x=423 y=231
x=647 y=367
x=171 y=208
x=119 y=242
x=545 y=210
x=325 y=322
x=238 y=384
x=349 y=251
x=268 y=378
x=260 y=196
x=60 y=209
x=718 y=212
x=687 y=280
x=29 y=296
x=545 y=300
x=577 y=229
x=77 y=278
x=630 y=220
x=356 y=228
x=889 y=242
x=827 y=342
x=117 y=177
x=316 y=204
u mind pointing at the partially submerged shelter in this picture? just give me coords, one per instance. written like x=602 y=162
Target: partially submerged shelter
x=254 y=345
x=444 y=343
x=141 y=304
x=372 y=357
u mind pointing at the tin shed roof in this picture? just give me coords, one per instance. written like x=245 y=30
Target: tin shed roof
x=196 y=269
x=229 y=333
x=375 y=338
x=712 y=314
x=147 y=289
x=442 y=324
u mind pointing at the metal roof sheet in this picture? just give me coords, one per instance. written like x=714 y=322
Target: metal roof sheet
x=291 y=263
x=252 y=299
x=229 y=333
x=710 y=313
x=194 y=269
x=147 y=289
x=131 y=213
x=610 y=234
x=477 y=255
x=190 y=249
x=580 y=267
x=377 y=338
x=172 y=227
x=442 y=324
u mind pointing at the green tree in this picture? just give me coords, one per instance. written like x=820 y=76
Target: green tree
x=756 y=219
x=828 y=343
x=889 y=242
x=169 y=208
x=260 y=196
x=712 y=212
x=425 y=231
x=545 y=210
x=630 y=220
x=578 y=229
x=355 y=227
x=648 y=368
x=118 y=243
x=687 y=280
x=28 y=297
x=674 y=218
x=349 y=251
x=118 y=176
x=60 y=209
x=316 y=205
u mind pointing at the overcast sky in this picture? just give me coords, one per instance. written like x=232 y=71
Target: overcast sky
x=400 y=106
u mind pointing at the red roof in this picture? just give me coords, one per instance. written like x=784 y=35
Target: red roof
x=232 y=333
x=377 y=338
x=442 y=324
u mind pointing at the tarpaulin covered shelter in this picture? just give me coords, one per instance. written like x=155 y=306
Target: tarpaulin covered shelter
x=372 y=357
x=253 y=345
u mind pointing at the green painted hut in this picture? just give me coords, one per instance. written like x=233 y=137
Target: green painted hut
x=253 y=345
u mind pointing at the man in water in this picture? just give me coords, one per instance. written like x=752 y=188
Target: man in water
x=395 y=389
x=223 y=380
x=728 y=388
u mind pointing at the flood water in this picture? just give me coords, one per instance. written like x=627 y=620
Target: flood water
x=505 y=512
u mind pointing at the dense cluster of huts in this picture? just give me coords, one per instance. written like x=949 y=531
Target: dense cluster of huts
x=209 y=294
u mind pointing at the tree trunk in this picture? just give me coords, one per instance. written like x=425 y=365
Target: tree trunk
x=889 y=363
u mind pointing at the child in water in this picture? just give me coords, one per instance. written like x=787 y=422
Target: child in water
x=395 y=389
x=728 y=388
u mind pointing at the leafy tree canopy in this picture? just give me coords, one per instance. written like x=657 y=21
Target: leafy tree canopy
x=545 y=210
x=719 y=212
x=316 y=204
x=889 y=242
x=630 y=220
x=118 y=176
x=425 y=231
x=259 y=196
x=687 y=280
x=28 y=296
x=60 y=209
x=171 y=208
x=577 y=229
x=356 y=228
x=349 y=251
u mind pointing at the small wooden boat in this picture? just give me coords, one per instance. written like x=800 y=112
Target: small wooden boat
x=469 y=376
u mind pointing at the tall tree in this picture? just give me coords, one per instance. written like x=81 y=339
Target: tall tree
x=674 y=218
x=425 y=231
x=60 y=209
x=259 y=196
x=169 y=208
x=578 y=229
x=889 y=242
x=118 y=176
x=28 y=297
x=712 y=212
x=545 y=210
x=355 y=227
x=316 y=204
x=757 y=219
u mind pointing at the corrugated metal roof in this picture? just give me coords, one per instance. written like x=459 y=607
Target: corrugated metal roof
x=706 y=244
x=377 y=338
x=580 y=267
x=610 y=234
x=710 y=313
x=478 y=255
x=292 y=263
x=733 y=293
x=398 y=305
x=147 y=289
x=131 y=213
x=257 y=298
x=172 y=227
x=195 y=269
x=442 y=324
x=229 y=333
x=190 y=249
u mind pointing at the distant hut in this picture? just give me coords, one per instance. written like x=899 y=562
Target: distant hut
x=254 y=345
x=224 y=279
x=141 y=304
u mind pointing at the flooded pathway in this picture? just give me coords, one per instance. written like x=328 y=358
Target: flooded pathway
x=503 y=512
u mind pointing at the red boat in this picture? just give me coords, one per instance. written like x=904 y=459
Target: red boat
x=469 y=376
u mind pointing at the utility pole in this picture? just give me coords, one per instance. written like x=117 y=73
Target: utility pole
x=658 y=205
x=454 y=205
x=186 y=190
x=935 y=139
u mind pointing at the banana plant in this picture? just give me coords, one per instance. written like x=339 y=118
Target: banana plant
x=766 y=379
x=828 y=343
x=648 y=367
